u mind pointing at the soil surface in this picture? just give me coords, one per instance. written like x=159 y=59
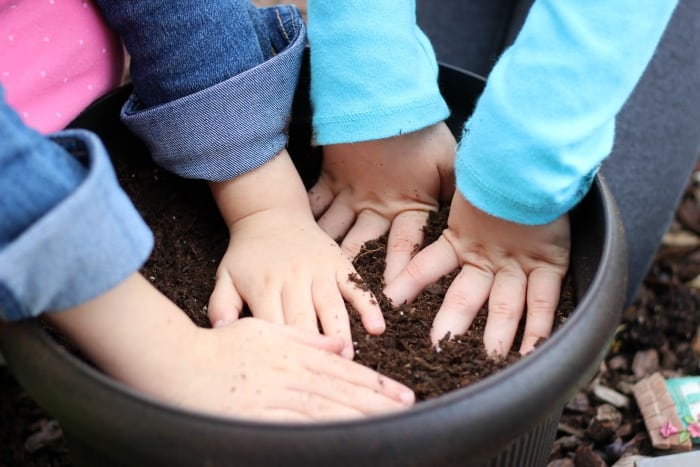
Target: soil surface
x=404 y=351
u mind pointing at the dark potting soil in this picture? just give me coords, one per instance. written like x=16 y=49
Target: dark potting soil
x=191 y=238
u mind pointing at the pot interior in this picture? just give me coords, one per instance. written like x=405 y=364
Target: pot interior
x=476 y=422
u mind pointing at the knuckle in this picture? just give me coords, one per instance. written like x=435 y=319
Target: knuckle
x=414 y=271
x=503 y=311
x=459 y=299
x=351 y=247
x=540 y=306
x=403 y=245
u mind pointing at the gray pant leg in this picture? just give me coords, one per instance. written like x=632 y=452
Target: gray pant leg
x=466 y=34
x=657 y=141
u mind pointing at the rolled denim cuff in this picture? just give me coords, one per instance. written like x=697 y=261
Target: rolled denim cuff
x=234 y=126
x=88 y=243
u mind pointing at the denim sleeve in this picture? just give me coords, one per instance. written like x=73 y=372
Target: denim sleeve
x=212 y=96
x=546 y=119
x=373 y=71
x=68 y=231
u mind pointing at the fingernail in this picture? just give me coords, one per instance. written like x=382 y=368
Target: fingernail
x=222 y=322
x=377 y=329
x=348 y=352
x=407 y=397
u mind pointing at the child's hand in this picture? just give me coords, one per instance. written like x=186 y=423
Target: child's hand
x=271 y=371
x=390 y=184
x=508 y=264
x=251 y=368
x=280 y=262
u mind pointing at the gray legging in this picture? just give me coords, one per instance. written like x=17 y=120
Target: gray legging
x=658 y=129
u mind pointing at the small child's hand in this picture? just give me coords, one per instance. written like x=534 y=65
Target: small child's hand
x=275 y=372
x=281 y=263
x=508 y=264
x=372 y=187
x=250 y=369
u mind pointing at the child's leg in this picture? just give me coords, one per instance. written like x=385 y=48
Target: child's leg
x=657 y=141
x=469 y=35
x=181 y=47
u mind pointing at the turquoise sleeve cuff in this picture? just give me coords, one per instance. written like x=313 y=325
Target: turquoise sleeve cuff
x=546 y=119
x=373 y=71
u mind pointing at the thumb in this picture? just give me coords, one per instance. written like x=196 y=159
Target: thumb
x=225 y=303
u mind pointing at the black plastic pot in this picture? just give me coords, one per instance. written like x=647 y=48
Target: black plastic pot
x=508 y=419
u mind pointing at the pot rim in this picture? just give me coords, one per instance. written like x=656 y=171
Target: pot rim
x=507 y=376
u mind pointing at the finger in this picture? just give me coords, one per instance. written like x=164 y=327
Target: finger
x=332 y=344
x=431 y=263
x=405 y=237
x=309 y=400
x=368 y=226
x=298 y=306
x=354 y=290
x=267 y=305
x=333 y=315
x=225 y=303
x=506 y=303
x=337 y=219
x=543 y=290
x=463 y=300
x=320 y=197
x=360 y=383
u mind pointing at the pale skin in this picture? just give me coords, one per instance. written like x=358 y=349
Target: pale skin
x=370 y=187
x=249 y=369
x=513 y=266
x=280 y=262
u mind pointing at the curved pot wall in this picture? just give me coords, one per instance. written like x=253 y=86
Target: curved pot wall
x=508 y=419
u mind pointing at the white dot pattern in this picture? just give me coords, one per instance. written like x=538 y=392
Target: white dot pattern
x=50 y=70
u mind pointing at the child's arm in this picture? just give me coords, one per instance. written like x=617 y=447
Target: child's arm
x=280 y=262
x=539 y=132
x=508 y=264
x=388 y=156
x=528 y=154
x=135 y=334
x=213 y=102
x=68 y=231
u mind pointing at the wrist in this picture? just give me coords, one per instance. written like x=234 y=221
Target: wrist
x=274 y=185
x=129 y=331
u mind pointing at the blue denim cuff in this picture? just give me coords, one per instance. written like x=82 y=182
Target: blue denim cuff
x=234 y=126
x=88 y=243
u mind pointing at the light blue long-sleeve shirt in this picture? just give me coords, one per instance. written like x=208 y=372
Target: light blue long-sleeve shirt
x=545 y=121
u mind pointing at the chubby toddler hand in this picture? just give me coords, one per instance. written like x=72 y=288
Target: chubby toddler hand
x=368 y=188
x=513 y=266
x=279 y=261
